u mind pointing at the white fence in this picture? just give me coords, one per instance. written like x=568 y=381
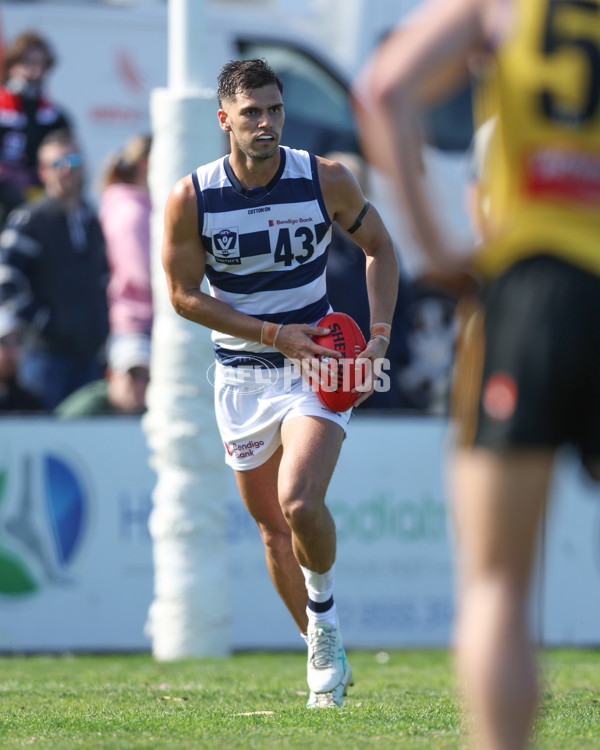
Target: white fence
x=76 y=556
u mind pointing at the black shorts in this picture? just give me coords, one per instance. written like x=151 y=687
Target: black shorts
x=528 y=360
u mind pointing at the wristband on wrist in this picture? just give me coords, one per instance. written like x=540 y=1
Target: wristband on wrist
x=383 y=330
x=277 y=333
x=268 y=333
x=381 y=336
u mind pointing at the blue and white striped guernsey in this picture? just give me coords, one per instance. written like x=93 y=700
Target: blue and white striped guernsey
x=266 y=248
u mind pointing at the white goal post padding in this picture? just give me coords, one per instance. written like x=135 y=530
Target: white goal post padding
x=190 y=613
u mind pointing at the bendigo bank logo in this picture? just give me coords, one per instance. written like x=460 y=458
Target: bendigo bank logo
x=244 y=450
x=42 y=522
x=226 y=247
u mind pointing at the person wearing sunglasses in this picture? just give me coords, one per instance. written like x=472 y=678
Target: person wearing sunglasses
x=53 y=275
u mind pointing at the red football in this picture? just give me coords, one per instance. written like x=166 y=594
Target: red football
x=338 y=375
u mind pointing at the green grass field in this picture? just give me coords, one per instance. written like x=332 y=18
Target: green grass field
x=257 y=701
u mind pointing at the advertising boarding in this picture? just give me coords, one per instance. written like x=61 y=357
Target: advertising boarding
x=76 y=556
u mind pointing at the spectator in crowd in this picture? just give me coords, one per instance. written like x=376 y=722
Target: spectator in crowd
x=53 y=275
x=125 y=217
x=122 y=390
x=27 y=116
x=13 y=398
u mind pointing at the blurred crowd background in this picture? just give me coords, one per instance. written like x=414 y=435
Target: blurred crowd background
x=75 y=281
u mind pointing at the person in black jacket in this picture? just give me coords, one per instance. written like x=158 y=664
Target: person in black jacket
x=53 y=275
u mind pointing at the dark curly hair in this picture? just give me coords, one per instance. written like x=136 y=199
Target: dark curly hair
x=245 y=75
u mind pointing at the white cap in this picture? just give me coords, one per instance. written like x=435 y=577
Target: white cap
x=129 y=351
x=8 y=322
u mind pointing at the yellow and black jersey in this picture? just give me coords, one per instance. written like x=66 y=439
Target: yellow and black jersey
x=541 y=184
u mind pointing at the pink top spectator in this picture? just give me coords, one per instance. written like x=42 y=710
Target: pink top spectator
x=125 y=217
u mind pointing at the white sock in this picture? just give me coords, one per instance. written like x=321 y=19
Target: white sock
x=321 y=606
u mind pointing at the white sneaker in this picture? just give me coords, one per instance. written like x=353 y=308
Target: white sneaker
x=335 y=698
x=327 y=664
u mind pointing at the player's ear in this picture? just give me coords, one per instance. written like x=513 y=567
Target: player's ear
x=224 y=120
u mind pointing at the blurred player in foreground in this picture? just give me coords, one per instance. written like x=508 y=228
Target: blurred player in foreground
x=258 y=223
x=528 y=374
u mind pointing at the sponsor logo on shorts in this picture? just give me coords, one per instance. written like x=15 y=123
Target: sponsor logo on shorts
x=330 y=411
x=500 y=397
x=244 y=450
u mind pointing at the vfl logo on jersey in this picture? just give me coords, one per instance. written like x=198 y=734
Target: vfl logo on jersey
x=226 y=246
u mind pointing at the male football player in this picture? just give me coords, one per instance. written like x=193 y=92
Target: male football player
x=257 y=224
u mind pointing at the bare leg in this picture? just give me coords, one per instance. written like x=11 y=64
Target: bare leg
x=311 y=446
x=258 y=488
x=498 y=506
x=286 y=498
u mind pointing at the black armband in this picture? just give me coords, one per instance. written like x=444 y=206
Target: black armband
x=359 y=219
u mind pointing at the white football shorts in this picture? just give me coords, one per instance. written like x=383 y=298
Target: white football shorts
x=252 y=403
